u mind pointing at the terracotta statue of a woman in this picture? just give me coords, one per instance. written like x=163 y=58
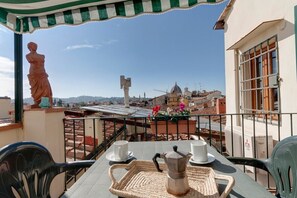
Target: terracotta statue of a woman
x=38 y=78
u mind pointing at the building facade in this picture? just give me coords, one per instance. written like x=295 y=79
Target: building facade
x=6 y=107
x=260 y=67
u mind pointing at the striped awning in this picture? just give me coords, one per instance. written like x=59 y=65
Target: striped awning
x=25 y=16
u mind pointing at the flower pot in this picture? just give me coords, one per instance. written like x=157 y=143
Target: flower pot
x=182 y=126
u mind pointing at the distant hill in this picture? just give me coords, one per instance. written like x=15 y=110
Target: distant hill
x=27 y=100
x=80 y=99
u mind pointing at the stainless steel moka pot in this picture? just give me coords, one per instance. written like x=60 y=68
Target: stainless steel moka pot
x=177 y=180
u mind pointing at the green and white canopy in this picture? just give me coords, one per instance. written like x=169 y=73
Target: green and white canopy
x=25 y=16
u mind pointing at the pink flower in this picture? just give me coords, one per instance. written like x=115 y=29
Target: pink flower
x=182 y=106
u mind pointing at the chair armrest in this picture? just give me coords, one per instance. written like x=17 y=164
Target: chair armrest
x=75 y=165
x=257 y=163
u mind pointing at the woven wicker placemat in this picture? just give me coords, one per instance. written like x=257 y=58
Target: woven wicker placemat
x=143 y=180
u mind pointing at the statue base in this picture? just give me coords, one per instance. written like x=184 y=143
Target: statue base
x=34 y=106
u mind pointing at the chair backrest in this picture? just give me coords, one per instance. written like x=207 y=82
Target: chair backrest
x=282 y=165
x=26 y=169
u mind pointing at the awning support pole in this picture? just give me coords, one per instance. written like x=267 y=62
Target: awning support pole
x=18 y=77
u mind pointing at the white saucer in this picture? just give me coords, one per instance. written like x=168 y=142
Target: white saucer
x=110 y=157
x=210 y=159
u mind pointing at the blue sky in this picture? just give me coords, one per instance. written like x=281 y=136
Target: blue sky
x=155 y=51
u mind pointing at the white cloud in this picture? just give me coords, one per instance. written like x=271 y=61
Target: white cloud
x=6 y=77
x=6 y=65
x=74 y=47
x=81 y=46
x=109 y=42
x=7 y=86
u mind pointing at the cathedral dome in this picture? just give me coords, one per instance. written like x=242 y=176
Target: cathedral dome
x=176 y=89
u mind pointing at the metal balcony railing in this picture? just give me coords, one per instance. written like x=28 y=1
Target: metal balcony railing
x=245 y=135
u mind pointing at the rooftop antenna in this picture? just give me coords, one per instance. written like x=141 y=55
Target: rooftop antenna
x=125 y=84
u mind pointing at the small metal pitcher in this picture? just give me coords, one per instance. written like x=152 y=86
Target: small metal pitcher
x=177 y=180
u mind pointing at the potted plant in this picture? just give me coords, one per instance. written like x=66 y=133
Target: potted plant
x=172 y=121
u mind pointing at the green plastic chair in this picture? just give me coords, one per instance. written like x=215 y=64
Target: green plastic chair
x=281 y=164
x=27 y=170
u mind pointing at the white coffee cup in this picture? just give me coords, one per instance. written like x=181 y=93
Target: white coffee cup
x=120 y=150
x=199 y=150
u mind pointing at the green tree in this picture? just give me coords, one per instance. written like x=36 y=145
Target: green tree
x=60 y=103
